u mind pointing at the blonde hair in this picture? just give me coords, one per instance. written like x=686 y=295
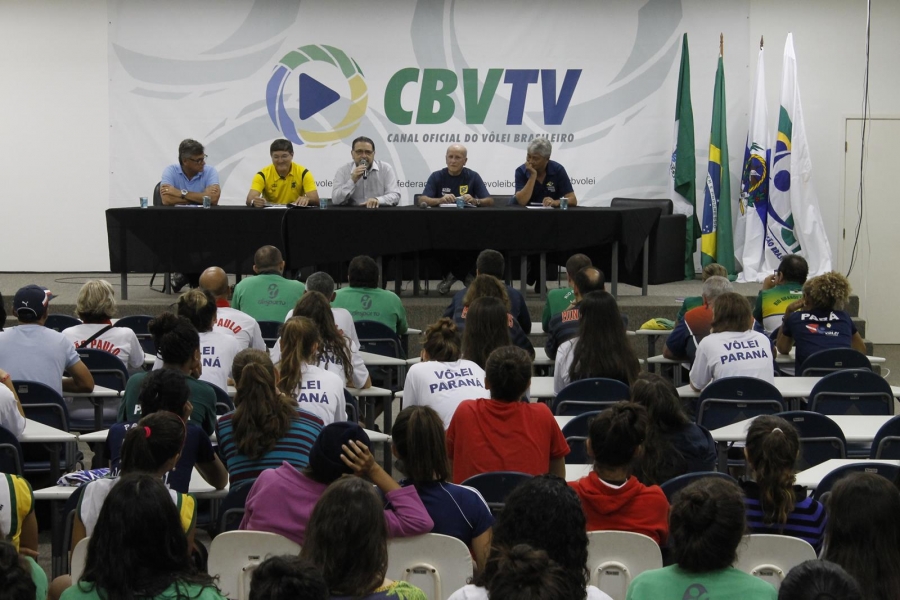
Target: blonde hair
x=96 y=301
x=830 y=291
x=714 y=270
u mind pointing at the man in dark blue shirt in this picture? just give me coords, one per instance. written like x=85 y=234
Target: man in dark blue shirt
x=541 y=181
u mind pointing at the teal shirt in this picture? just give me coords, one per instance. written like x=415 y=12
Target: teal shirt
x=373 y=304
x=39 y=577
x=203 y=399
x=174 y=591
x=267 y=297
x=558 y=300
x=674 y=583
x=689 y=303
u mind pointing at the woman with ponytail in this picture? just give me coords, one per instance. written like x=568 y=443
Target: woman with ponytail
x=774 y=504
x=316 y=390
x=612 y=497
x=443 y=379
x=421 y=452
x=266 y=427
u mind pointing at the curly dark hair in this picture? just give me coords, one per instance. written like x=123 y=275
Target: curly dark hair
x=829 y=291
x=819 y=580
x=706 y=524
x=15 y=574
x=175 y=338
x=164 y=389
x=287 y=578
x=617 y=433
x=528 y=574
x=546 y=514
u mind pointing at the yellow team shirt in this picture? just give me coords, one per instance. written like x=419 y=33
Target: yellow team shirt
x=283 y=190
x=16 y=503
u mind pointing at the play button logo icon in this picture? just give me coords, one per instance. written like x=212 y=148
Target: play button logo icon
x=314 y=96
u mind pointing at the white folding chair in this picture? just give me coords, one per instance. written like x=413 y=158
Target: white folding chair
x=79 y=554
x=615 y=558
x=770 y=557
x=437 y=564
x=234 y=555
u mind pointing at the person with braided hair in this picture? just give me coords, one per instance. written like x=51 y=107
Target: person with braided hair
x=774 y=504
x=613 y=498
x=706 y=526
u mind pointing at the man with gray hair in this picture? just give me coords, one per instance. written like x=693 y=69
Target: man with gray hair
x=187 y=181
x=682 y=342
x=321 y=282
x=541 y=181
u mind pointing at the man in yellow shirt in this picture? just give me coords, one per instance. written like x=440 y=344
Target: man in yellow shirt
x=283 y=182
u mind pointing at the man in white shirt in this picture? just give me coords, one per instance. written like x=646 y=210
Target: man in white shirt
x=12 y=416
x=364 y=180
x=231 y=321
x=323 y=283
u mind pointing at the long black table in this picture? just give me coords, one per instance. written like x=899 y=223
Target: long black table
x=188 y=240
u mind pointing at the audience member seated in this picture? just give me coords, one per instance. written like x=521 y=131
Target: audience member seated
x=674 y=445
x=613 y=498
x=96 y=306
x=732 y=348
x=487 y=330
x=365 y=299
x=267 y=296
x=178 y=346
x=22 y=577
x=545 y=514
x=560 y=299
x=706 y=527
x=287 y=578
x=601 y=349
x=316 y=390
x=266 y=427
x=488 y=286
x=283 y=181
x=491 y=262
x=321 y=282
x=167 y=390
x=12 y=415
x=779 y=291
x=282 y=500
x=443 y=379
x=863 y=533
x=819 y=580
x=217 y=350
x=336 y=353
x=33 y=352
x=230 y=321
x=528 y=574
x=421 y=450
x=692 y=302
x=818 y=321
x=682 y=342
x=153 y=448
x=139 y=549
x=502 y=433
x=564 y=326
x=351 y=553
x=18 y=521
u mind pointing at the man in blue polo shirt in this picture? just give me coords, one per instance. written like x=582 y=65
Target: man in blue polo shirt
x=190 y=179
x=541 y=181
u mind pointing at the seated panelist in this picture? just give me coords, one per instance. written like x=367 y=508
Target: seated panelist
x=541 y=181
x=365 y=181
x=284 y=181
x=445 y=185
x=187 y=181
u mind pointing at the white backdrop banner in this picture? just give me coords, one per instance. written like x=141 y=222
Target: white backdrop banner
x=596 y=78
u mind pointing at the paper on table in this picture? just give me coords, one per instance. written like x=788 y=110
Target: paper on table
x=536 y=207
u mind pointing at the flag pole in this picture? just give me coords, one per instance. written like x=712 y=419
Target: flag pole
x=721 y=45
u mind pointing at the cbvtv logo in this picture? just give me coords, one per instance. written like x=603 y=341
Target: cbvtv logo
x=436 y=104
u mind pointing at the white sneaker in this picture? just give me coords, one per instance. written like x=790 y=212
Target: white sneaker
x=445 y=284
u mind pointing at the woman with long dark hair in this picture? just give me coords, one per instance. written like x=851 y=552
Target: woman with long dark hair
x=601 y=348
x=488 y=286
x=217 y=349
x=487 y=329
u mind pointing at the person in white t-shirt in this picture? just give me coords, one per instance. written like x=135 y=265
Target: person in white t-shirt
x=217 y=350
x=231 y=321
x=323 y=283
x=732 y=348
x=316 y=390
x=443 y=379
x=12 y=416
x=96 y=306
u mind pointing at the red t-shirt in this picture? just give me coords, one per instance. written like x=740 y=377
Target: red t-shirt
x=491 y=435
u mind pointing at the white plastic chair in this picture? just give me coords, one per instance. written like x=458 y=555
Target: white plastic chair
x=770 y=557
x=615 y=558
x=79 y=554
x=234 y=555
x=437 y=564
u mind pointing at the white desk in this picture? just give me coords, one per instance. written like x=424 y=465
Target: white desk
x=149 y=359
x=541 y=359
x=810 y=478
x=377 y=360
x=98 y=398
x=562 y=421
x=541 y=388
x=38 y=433
x=652 y=335
x=858 y=429
x=576 y=472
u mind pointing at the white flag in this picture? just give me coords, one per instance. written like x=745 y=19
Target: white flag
x=794 y=224
x=750 y=230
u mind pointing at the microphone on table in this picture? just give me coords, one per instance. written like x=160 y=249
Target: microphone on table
x=364 y=163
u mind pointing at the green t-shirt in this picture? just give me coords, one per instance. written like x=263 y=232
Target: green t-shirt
x=267 y=297
x=203 y=399
x=673 y=583
x=39 y=577
x=771 y=304
x=689 y=303
x=373 y=304
x=176 y=590
x=558 y=300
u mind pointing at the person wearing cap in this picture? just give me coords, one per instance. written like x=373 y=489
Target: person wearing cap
x=365 y=181
x=282 y=500
x=32 y=352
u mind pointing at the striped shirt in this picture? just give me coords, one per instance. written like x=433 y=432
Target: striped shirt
x=293 y=448
x=806 y=521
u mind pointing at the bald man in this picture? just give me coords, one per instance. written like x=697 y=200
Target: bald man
x=443 y=187
x=268 y=296
x=230 y=321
